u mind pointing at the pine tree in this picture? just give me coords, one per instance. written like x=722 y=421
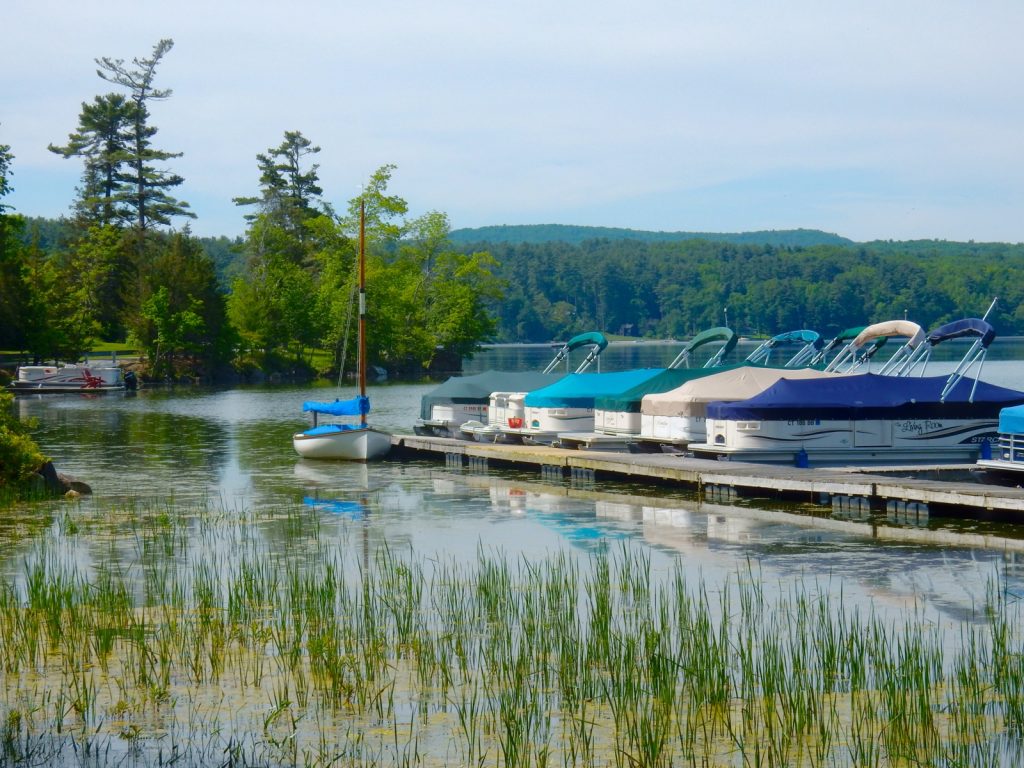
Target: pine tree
x=149 y=199
x=103 y=141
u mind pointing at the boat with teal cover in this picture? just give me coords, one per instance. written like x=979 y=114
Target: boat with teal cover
x=568 y=404
x=463 y=400
x=1005 y=464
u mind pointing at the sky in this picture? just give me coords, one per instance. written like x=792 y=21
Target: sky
x=873 y=120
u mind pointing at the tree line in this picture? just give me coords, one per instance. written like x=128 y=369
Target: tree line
x=672 y=290
x=118 y=269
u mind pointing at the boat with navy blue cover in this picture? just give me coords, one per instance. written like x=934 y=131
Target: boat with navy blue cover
x=676 y=418
x=859 y=419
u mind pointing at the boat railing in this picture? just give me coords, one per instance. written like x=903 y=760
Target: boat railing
x=1011 y=447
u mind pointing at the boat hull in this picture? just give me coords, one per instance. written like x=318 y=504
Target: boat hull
x=846 y=441
x=64 y=379
x=343 y=444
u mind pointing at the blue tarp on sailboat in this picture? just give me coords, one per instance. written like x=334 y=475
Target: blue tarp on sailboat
x=357 y=406
x=1011 y=420
x=869 y=396
x=580 y=390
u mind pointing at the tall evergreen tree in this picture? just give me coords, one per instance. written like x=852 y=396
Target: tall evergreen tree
x=149 y=200
x=13 y=285
x=103 y=141
x=289 y=195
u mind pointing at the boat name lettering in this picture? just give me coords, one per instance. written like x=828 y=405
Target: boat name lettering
x=804 y=422
x=917 y=426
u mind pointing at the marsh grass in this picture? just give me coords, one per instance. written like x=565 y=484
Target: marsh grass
x=193 y=638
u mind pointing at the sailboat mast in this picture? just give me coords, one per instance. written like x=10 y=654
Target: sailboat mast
x=362 y=304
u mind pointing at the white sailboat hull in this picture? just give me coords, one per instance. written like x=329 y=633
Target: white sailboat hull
x=346 y=444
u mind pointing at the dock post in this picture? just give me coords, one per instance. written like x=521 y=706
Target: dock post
x=581 y=476
x=552 y=472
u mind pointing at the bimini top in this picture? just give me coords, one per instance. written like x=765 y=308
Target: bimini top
x=629 y=400
x=869 y=396
x=357 y=406
x=1011 y=420
x=970 y=326
x=580 y=390
x=692 y=397
x=478 y=387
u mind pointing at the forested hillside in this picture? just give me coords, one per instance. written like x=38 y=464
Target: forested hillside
x=640 y=286
x=675 y=289
x=562 y=233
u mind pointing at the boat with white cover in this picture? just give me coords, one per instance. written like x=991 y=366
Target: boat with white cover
x=678 y=417
x=617 y=418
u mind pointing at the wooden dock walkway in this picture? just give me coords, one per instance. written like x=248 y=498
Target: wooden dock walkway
x=906 y=492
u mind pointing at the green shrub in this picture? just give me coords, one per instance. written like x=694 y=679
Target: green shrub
x=20 y=457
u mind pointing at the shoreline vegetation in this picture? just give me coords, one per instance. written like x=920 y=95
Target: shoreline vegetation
x=163 y=651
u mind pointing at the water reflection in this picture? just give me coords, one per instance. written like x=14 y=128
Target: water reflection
x=231 y=450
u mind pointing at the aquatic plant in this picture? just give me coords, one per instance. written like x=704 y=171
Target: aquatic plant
x=186 y=637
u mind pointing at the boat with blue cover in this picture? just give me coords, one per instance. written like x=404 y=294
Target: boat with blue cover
x=867 y=418
x=344 y=441
x=567 y=412
x=1005 y=464
x=677 y=417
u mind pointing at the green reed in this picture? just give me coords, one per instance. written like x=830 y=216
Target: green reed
x=215 y=647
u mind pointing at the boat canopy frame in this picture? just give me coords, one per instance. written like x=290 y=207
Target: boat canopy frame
x=864 y=346
x=811 y=342
x=595 y=339
x=727 y=336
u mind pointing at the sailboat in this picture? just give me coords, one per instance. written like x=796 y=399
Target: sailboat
x=347 y=442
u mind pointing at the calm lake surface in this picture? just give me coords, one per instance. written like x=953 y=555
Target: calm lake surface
x=196 y=487
x=232 y=448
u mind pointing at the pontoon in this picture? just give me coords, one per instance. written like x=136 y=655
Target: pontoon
x=461 y=399
x=84 y=378
x=865 y=419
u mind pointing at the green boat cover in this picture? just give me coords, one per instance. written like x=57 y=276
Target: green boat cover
x=477 y=388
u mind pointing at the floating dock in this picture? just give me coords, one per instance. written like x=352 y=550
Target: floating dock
x=910 y=493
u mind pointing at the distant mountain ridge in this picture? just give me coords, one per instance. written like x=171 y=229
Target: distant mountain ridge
x=567 y=233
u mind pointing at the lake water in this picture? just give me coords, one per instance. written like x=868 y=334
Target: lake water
x=220 y=465
x=232 y=448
